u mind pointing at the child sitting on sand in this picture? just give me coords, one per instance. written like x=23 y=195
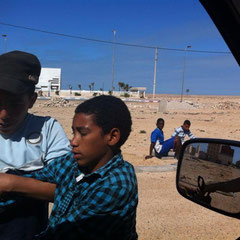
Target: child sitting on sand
x=96 y=190
x=160 y=148
x=182 y=131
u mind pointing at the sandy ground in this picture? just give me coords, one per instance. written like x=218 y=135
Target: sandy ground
x=162 y=212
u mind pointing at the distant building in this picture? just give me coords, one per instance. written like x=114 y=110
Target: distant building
x=237 y=163
x=140 y=91
x=220 y=153
x=50 y=79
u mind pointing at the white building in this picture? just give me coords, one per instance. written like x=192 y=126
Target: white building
x=50 y=79
x=140 y=91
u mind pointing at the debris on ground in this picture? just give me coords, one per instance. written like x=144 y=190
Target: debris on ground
x=56 y=102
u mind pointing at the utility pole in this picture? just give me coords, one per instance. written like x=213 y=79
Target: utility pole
x=184 y=66
x=5 y=42
x=113 y=58
x=155 y=71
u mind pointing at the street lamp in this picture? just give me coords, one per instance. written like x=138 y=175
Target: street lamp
x=184 y=66
x=155 y=71
x=113 y=57
x=5 y=42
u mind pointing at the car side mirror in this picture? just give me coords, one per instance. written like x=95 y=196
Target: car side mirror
x=208 y=174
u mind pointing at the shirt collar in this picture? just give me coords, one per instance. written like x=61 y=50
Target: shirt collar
x=19 y=128
x=113 y=163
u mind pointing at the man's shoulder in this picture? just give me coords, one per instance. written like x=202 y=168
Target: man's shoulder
x=157 y=131
x=35 y=124
x=179 y=129
x=127 y=167
x=127 y=164
x=66 y=159
x=41 y=123
x=63 y=164
x=36 y=118
x=122 y=174
x=117 y=184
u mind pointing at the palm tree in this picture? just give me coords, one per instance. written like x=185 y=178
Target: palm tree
x=121 y=85
x=187 y=91
x=80 y=87
x=70 y=88
x=90 y=87
x=127 y=87
x=92 y=84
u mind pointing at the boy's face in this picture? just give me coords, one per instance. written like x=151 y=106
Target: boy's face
x=89 y=145
x=13 y=110
x=185 y=127
x=160 y=125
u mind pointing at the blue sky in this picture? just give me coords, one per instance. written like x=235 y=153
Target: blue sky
x=161 y=23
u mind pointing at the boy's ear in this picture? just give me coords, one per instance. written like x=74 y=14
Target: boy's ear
x=32 y=100
x=114 y=136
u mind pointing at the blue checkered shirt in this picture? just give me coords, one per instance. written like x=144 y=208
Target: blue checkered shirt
x=100 y=205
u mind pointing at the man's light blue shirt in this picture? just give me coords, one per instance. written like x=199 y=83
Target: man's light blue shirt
x=37 y=141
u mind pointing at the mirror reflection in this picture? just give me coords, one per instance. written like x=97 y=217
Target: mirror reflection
x=210 y=174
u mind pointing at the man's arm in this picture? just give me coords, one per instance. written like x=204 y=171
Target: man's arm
x=29 y=187
x=191 y=136
x=175 y=133
x=154 y=137
x=152 y=145
x=229 y=186
x=38 y=184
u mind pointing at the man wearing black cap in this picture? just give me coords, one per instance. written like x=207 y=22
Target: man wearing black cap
x=27 y=143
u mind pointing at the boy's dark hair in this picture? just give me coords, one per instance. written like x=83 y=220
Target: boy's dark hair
x=109 y=112
x=187 y=122
x=160 y=120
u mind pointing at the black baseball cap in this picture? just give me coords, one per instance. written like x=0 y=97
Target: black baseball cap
x=19 y=72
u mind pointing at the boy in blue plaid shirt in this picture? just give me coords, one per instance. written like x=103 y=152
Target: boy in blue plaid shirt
x=96 y=190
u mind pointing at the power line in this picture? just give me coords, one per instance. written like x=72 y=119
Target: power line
x=110 y=42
